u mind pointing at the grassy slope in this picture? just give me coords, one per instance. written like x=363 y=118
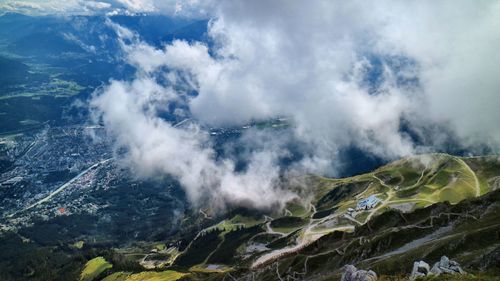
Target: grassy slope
x=168 y=275
x=387 y=244
x=417 y=186
x=93 y=268
x=416 y=182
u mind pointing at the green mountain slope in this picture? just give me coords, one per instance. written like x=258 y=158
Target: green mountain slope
x=423 y=207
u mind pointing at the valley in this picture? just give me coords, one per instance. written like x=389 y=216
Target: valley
x=249 y=141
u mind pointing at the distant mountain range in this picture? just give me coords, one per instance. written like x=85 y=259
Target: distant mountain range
x=48 y=62
x=86 y=44
x=29 y=35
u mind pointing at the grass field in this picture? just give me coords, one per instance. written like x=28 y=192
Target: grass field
x=55 y=88
x=297 y=209
x=236 y=222
x=93 y=268
x=78 y=245
x=117 y=276
x=207 y=269
x=168 y=275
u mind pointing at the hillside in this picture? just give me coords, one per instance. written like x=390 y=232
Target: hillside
x=421 y=207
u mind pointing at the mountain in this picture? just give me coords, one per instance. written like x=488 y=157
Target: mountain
x=12 y=72
x=49 y=63
x=417 y=208
x=40 y=36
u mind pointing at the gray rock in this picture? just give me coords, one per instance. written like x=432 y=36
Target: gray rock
x=423 y=267
x=448 y=270
x=351 y=273
x=444 y=262
x=446 y=266
x=435 y=270
x=457 y=269
x=420 y=269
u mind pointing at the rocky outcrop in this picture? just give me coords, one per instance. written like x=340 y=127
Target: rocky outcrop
x=444 y=266
x=351 y=273
x=420 y=269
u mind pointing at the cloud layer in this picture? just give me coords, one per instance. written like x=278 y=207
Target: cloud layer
x=187 y=8
x=345 y=73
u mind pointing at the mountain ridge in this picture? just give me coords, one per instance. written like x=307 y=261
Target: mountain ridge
x=423 y=200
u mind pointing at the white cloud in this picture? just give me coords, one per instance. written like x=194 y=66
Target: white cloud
x=287 y=60
x=94 y=5
x=154 y=146
x=309 y=61
x=189 y=8
x=43 y=7
x=300 y=59
x=139 y=5
x=455 y=44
